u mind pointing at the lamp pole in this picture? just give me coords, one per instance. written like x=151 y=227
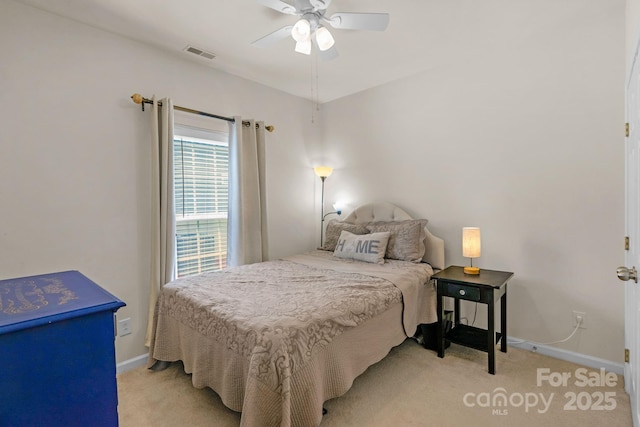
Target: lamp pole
x=323 y=172
x=322 y=211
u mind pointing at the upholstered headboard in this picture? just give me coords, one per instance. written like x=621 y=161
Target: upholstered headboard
x=434 y=246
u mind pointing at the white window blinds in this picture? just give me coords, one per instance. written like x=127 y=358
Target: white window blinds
x=201 y=179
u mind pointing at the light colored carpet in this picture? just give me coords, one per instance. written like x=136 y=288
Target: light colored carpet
x=410 y=387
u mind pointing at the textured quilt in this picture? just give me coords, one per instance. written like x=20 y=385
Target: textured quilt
x=271 y=318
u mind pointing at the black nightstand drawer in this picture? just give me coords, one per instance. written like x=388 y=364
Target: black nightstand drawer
x=470 y=293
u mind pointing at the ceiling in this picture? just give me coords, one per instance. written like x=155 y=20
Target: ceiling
x=422 y=34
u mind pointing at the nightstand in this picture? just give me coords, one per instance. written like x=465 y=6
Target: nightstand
x=486 y=287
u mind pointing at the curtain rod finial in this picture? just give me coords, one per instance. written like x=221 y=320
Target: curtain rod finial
x=137 y=98
x=270 y=128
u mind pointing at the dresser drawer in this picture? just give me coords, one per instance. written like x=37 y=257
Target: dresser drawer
x=470 y=293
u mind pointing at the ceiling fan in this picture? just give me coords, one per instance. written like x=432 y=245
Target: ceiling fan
x=310 y=29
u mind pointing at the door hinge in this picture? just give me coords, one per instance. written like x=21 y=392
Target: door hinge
x=626 y=243
x=626 y=130
x=626 y=355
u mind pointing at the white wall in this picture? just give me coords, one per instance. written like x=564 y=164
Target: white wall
x=74 y=153
x=526 y=142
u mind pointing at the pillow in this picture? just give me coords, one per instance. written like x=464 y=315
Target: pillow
x=335 y=227
x=367 y=247
x=406 y=238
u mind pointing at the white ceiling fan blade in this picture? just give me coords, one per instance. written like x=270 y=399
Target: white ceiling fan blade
x=320 y=4
x=359 y=21
x=278 y=5
x=274 y=37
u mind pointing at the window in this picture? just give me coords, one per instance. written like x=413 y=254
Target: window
x=201 y=180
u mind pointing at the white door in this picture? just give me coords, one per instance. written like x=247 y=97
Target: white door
x=632 y=226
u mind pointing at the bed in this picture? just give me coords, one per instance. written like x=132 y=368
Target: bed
x=276 y=339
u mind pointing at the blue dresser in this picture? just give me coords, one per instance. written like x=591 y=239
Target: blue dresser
x=57 y=354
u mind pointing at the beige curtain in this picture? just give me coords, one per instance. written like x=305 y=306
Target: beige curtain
x=247 y=221
x=163 y=251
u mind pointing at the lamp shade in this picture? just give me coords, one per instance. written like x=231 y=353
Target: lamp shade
x=323 y=171
x=301 y=31
x=304 y=47
x=471 y=242
x=324 y=39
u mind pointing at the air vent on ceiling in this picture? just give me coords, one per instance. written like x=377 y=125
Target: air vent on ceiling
x=199 y=52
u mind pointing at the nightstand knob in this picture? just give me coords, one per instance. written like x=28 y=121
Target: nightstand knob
x=462 y=292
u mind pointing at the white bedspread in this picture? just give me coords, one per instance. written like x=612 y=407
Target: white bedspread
x=406 y=276
x=262 y=323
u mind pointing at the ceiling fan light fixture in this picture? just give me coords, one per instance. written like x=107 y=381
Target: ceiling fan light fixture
x=324 y=39
x=304 y=46
x=301 y=31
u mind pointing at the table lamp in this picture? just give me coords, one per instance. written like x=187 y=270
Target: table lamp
x=471 y=247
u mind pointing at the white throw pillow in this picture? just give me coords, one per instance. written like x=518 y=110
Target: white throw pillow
x=366 y=247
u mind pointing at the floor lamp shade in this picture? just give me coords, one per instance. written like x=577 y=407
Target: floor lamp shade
x=471 y=247
x=323 y=171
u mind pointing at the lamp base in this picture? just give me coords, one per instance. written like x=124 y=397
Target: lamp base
x=471 y=270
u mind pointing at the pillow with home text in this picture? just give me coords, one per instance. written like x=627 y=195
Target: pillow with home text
x=335 y=227
x=366 y=247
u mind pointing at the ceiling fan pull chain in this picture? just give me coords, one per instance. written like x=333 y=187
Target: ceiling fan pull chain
x=314 y=87
x=317 y=85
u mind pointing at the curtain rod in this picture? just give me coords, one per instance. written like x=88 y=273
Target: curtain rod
x=139 y=99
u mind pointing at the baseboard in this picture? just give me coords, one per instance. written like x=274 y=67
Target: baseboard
x=558 y=353
x=130 y=364
x=569 y=356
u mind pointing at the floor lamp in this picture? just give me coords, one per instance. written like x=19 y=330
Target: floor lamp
x=323 y=172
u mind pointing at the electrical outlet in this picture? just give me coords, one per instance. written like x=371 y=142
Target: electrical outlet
x=583 y=316
x=124 y=327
